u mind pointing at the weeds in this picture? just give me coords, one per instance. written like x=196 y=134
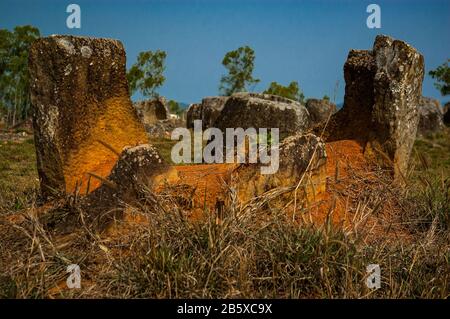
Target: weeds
x=251 y=252
x=169 y=256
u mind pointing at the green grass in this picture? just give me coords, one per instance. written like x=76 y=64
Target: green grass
x=164 y=147
x=18 y=174
x=429 y=182
x=436 y=149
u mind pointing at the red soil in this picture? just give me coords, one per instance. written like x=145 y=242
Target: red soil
x=343 y=157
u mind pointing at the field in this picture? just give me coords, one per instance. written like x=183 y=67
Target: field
x=156 y=252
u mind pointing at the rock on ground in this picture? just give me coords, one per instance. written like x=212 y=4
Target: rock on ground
x=207 y=111
x=319 y=110
x=430 y=116
x=164 y=128
x=382 y=92
x=256 y=110
x=447 y=113
x=150 y=111
x=211 y=108
x=82 y=113
x=132 y=177
x=302 y=157
x=194 y=112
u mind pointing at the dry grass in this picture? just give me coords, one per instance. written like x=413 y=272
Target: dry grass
x=157 y=252
x=171 y=257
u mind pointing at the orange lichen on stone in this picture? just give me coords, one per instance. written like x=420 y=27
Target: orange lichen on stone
x=323 y=193
x=207 y=184
x=117 y=127
x=82 y=113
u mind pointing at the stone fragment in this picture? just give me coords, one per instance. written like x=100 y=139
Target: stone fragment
x=207 y=111
x=382 y=92
x=319 y=110
x=151 y=111
x=256 y=110
x=447 y=113
x=194 y=112
x=302 y=159
x=430 y=116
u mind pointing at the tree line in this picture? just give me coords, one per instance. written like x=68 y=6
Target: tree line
x=14 y=79
x=146 y=75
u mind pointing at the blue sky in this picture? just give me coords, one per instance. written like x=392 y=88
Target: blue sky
x=304 y=41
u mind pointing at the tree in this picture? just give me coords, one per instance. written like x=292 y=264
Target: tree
x=292 y=91
x=442 y=75
x=326 y=98
x=14 y=77
x=146 y=75
x=174 y=107
x=240 y=64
